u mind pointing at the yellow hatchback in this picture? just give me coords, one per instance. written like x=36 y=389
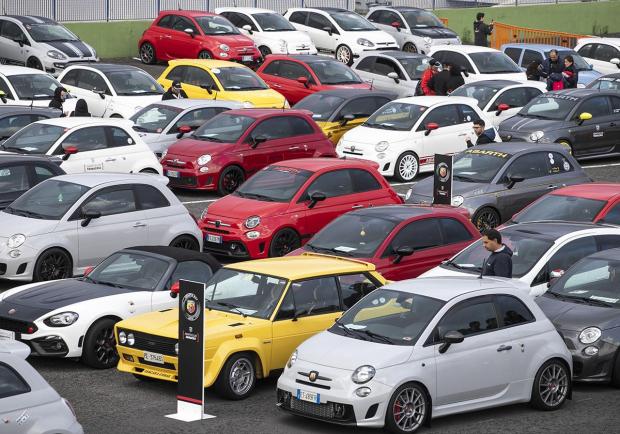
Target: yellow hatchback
x=256 y=314
x=219 y=79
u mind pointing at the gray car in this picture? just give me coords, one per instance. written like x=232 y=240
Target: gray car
x=586 y=121
x=495 y=181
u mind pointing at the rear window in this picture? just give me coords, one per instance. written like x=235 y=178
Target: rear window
x=11 y=383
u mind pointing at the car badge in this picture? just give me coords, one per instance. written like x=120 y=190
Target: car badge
x=352 y=148
x=218 y=223
x=12 y=311
x=313 y=375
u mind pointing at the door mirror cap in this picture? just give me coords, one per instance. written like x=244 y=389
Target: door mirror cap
x=101 y=93
x=3 y=97
x=255 y=141
x=502 y=107
x=450 y=338
x=394 y=76
x=247 y=28
x=207 y=87
x=346 y=119
x=303 y=80
x=403 y=251
x=69 y=150
x=396 y=25
x=430 y=127
x=513 y=179
x=316 y=197
x=88 y=216
x=183 y=129
x=328 y=30
x=585 y=116
x=554 y=275
x=88 y=270
x=189 y=32
x=174 y=290
x=615 y=61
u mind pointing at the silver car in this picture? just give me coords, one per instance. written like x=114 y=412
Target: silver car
x=495 y=181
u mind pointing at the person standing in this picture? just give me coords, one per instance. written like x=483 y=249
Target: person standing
x=482 y=30
x=482 y=136
x=532 y=71
x=60 y=95
x=174 y=92
x=551 y=68
x=570 y=73
x=499 y=262
x=428 y=76
x=81 y=109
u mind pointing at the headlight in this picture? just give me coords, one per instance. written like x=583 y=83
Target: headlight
x=62 y=319
x=54 y=54
x=204 y=213
x=122 y=337
x=292 y=359
x=204 y=159
x=252 y=235
x=224 y=47
x=381 y=146
x=15 y=241
x=252 y=222
x=589 y=335
x=457 y=201
x=427 y=40
x=536 y=135
x=365 y=42
x=408 y=194
x=363 y=374
x=130 y=339
x=163 y=154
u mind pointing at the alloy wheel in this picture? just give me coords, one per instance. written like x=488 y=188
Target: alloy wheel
x=54 y=266
x=204 y=55
x=410 y=48
x=343 y=54
x=232 y=180
x=284 y=243
x=553 y=385
x=241 y=376
x=186 y=243
x=486 y=219
x=408 y=167
x=409 y=409
x=146 y=53
x=105 y=350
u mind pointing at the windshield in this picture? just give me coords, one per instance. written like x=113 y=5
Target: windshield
x=579 y=62
x=421 y=19
x=132 y=82
x=334 y=72
x=129 y=270
x=154 y=118
x=352 y=235
x=49 y=200
x=554 y=107
x=249 y=294
x=478 y=165
x=239 y=79
x=35 y=138
x=352 y=22
x=415 y=66
x=223 y=128
x=274 y=184
x=481 y=92
x=605 y=83
x=396 y=116
x=273 y=22
x=216 y=25
x=388 y=316
x=321 y=105
x=492 y=62
x=557 y=207
x=50 y=33
x=34 y=86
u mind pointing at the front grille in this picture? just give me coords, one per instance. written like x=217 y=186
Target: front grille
x=217 y=231
x=183 y=180
x=154 y=344
x=2 y=269
x=323 y=411
x=226 y=249
x=16 y=325
x=164 y=365
x=177 y=162
x=308 y=383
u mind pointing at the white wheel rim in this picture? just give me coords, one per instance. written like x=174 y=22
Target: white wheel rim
x=409 y=409
x=241 y=376
x=408 y=167
x=343 y=55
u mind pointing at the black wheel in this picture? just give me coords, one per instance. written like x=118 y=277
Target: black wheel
x=284 y=242
x=264 y=51
x=53 y=264
x=407 y=409
x=486 y=218
x=551 y=386
x=35 y=63
x=407 y=167
x=237 y=378
x=147 y=54
x=99 y=349
x=150 y=171
x=566 y=144
x=230 y=179
x=204 y=55
x=344 y=55
x=410 y=47
x=615 y=375
x=185 y=242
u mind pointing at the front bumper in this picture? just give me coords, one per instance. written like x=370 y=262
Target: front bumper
x=597 y=368
x=386 y=161
x=46 y=341
x=234 y=241
x=19 y=268
x=131 y=360
x=190 y=178
x=359 y=49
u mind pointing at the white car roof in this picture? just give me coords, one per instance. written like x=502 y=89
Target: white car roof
x=19 y=70
x=186 y=103
x=95 y=179
x=244 y=10
x=428 y=101
x=615 y=41
x=72 y=122
x=467 y=49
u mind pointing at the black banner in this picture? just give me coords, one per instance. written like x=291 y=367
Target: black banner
x=191 y=342
x=442 y=180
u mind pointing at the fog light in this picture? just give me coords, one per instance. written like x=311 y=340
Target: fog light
x=204 y=169
x=130 y=339
x=338 y=410
x=176 y=348
x=128 y=357
x=252 y=235
x=233 y=247
x=223 y=54
x=15 y=253
x=363 y=392
x=381 y=156
x=590 y=351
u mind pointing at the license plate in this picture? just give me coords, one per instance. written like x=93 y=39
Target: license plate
x=214 y=238
x=97 y=167
x=7 y=334
x=173 y=174
x=153 y=357
x=246 y=58
x=303 y=395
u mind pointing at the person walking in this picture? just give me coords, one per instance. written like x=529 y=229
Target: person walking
x=499 y=262
x=570 y=73
x=551 y=68
x=428 y=77
x=81 y=109
x=174 y=92
x=482 y=30
x=482 y=136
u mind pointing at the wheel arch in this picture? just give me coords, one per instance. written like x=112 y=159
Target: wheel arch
x=251 y=346
x=567 y=365
x=429 y=411
x=61 y=247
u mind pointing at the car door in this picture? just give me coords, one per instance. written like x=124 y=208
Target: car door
x=14 y=180
x=122 y=152
x=92 y=146
x=177 y=44
x=448 y=138
x=380 y=69
x=515 y=98
x=530 y=56
x=286 y=81
x=12 y=40
x=514 y=53
x=195 y=82
x=602 y=55
x=321 y=38
x=92 y=87
x=593 y=137
x=157 y=213
x=384 y=19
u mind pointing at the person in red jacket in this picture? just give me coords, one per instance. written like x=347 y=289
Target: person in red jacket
x=426 y=80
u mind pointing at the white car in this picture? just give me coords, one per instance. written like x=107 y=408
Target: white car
x=111 y=90
x=41 y=43
x=26 y=86
x=501 y=99
x=270 y=31
x=404 y=135
x=542 y=251
x=602 y=53
x=86 y=145
x=392 y=71
x=340 y=31
x=420 y=349
x=67 y=223
x=416 y=30
x=162 y=123
x=480 y=63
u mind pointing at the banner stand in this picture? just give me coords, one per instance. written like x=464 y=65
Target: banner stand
x=442 y=180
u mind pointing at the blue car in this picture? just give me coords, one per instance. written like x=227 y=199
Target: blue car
x=524 y=54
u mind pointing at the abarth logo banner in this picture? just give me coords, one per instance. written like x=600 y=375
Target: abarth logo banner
x=191 y=341
x=190 y=306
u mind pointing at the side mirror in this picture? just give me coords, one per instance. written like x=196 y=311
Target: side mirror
x=585 y=116
x=3 y=97
x=101 y=93
x=615 y=61
x=315 y=198
x=248 y=28
x=255 y=141
x=346 y=119
x=189 y=32
x=69 y=150
x=396 y=25
x=208 y=88
x=430 y=127
x=174 y=290
x=88 y=216
x=501 y=108
x=88 y=270
x=394 y=76
x=401 y=252
x=590 y=66
x=451 y=337
x=183 y=129
x=513 y=179
x=304 y=81
x=328 y=30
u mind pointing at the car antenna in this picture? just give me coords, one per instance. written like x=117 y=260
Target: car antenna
x=482 y=267
x=179 y=5
x=372 y=82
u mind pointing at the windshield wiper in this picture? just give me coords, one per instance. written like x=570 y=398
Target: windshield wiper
x=14 y=149
x=233 y=307
x=455 y=265
x=593 y=301
x=259 y=197
x=344 y=327
x=327 y=249
x=210 y=139
x=529 y=115
x=378 y=336
x=25 y=213
x=140 y=128
x=102 y=282
x=381 y=126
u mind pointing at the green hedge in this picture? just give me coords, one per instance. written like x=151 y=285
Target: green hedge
x=111 y=39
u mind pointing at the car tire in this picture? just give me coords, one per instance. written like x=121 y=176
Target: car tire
x=486 y=218
x=99 y=349
x=410 y=47
x=284 y=242
x=35 y=63
x=566 y=144
x=407 y=167
x=204 y=54
x=344 y=55
x=116 y=116
x=186 y=242
x=147 y=54
x=230 y=179
x=615 y=375
x=237 y=378
x=408 y=409
x=149 y=171
x=552 y=386
x=53 y=264
x=264 y=51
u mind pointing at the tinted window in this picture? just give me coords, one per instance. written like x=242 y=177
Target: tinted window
x=376 y=17
x=11 y=383
x=467 y=113
x=606 y=242
x=90 y=80
x=282 y=127
x=443 y=116
x=360 y=107
x=384 y=66
x=353 y=287
x=558 y=163
x=149 y=197
x=71 y=77
x=320 y=104
x=166 y=22
x=182 y=23
x=469 y=319
x=564 y=258
x=13 y=178
x=41 y=173
x=196 y=271
x=293 y=70
x=530 y=56
x=315 y=296
x=177 y=73
x=420 y=234
x=606 y=52
x=512 y=311
x=198 y=77
x=332 y=184
x=196 y=118
x=11 y=124
x=119 y=137
x=239 y=20
x=529 y=166
x=366 y=64
x=85 y=139
x=517 y=97
x=11 y=31
x=597 y=107
x=559 y=207
x=109 y=202
x=49 y=200
x=363 y=181
x=272 y=68
x=513 y=53
x=454 y=58
x=454 y=231
x=318 y=21
x=298 y=17
x=586 y=50
x=615 y=104
x=613 y=215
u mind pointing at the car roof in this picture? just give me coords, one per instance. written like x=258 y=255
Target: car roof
x=246 y=10
x=322 y=163
x=543 y=47
x=493 y=83
x=399 y=213
x=19 y=70
x=95 y=179
x=592 y=190
x=305 y=58
x=107 y=67
x=20 y=109
x=22 y=158
x=187 y=13
x=178 y=254
x=464 y=48
x=331 y=9
x=350 y=93
x=72 y=122
x=258 y=113
x=605 y=254
x=206 y=63
x=614 y=75
x=516 y=147
x=601 y=39
x=582 y=92
x=405 y=8
x=31 y=19
x=398 y=54
x=428 y=101
x=186 y=103
x=550 y=230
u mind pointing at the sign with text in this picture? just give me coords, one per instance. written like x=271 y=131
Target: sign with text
x=442 y=180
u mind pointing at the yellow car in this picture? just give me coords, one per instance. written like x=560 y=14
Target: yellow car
x=218 y=79
x=256 y=314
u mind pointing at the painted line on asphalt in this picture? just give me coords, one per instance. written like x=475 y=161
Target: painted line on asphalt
x=599 y=166
x=396 y=184
x=191 y=202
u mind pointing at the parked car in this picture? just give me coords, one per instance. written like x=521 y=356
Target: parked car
x=340 y=31
x=26 y=86
x=541 y=251
x=494 y=181
x=40 y=43
x=524 y=54
x=338 y=111
x=501 y=99
x=425 y=348
x=584 y=121
x=163 y=123
x=14 y=117
x=583 y=306
x=27 y=401
x=275 y=305
x=298 y=76
x=270 y=31
x=282 y=206
x=402 y=241
x=86 y=145
x=602 y=53
x=111 y=90
x=67 y=223
x=182 y=34
x=606 y=82
x=478 y=63
x=404 y=135
x=220 y=80
x=76 y=316
x=415 y=29
x=234 y=145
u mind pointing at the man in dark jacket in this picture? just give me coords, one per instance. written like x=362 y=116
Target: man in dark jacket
x=482 y=30
x=174 y=92
x=447 y=80
x=482 y=136
x=551 y=68
x=499 y=262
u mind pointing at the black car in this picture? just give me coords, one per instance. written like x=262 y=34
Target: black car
x=14 y=117
x=586 y=121
x=584 y=306
x=606 y=82
x=19 y=173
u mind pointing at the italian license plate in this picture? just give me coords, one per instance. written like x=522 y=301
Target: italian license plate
x=97 y=167
x=303 y=395
x=214 y=238
x=7 y=334
x=153 y=357
x=173 y=174
x=246 y=58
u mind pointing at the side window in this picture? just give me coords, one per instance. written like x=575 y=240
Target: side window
x=459 y=60
x=586 y=50
x=13 y=178
x=196 y=271
x=392 y=17
x=243 y=20
x=384 y=66
x=615 y=104
x=468 y=114
x=272 y=129
x=110 y=202
x=444 y=116
x=316 y=296
x=606 y=52
x=11 y=124
x=318 y=21
x=298 y=17
x=196 y=118
x=293 y=70
x=613 y=215
x=177 y=73
x=86 y=139
x=198 y=77
x=376 y=17
x=166 y=22
x=441 y=56
x=273 y=68
x=71 y=77
x=512 y=311
x=529 y=166
x=91 y=80
x=420 y=234
x=11 y=383
x=469 y=319
x=453 y=231
x=531 y=93
x=606 y=242
x=558 y=163
x=529 y=56
x=366 y=64
x=572 y=252
x=299 y=126
x=359 y=107
x=353 y=287
x=41 y=173
x=149 y=197
x=332 y=184
x=182 y=23
x=597 y=107
x=513 y=53
x=118 y=137
x=12 y=31
x=517 y=97
x=363 y=181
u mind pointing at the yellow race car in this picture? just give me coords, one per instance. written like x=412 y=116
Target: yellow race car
x=219 y=79
x=256 y=314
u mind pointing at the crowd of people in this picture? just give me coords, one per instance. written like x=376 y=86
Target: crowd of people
x=559 y=73
x=440 y=79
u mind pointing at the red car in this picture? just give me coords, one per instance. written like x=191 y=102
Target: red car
x=282 y=206
x=595 y=202
x=296 y=77
x=402 y=241
x=195 y=35
x=235 y=144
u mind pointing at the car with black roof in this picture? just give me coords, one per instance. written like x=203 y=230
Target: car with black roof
x=606 y=82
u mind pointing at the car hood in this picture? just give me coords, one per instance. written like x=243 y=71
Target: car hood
x=239 y=208
x=527 y=124
x=14 y=224
x=459 y=188
x=372 y=136
x=291 y=37
x=586 y=77
x=194 y=148
x=73 y=49
x=135 y=102
x=263 y=98
x=232 y=40
x=566 y=315
x=433 y=32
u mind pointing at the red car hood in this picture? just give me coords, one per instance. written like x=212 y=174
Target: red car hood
x=196 y=148
x=234 y=40
x=345 y=86
x=239 y=208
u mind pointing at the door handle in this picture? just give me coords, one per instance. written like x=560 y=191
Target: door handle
x=462 y=135
x=276 y=85
x=551 y=187
x=613 y=124
x=294 y=147
x=504 y=348
x=167 y=36
x=357 y=206
x=139 y=225
x=107 y=160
